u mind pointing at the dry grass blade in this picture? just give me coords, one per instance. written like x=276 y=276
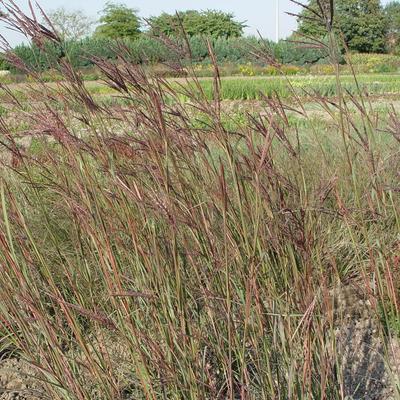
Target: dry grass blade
x=159 y=242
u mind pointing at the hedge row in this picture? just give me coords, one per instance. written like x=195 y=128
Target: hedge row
x=3 y=63
x=150 y=50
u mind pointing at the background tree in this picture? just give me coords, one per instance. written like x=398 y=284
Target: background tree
x=362 y=23
x=70 y=25
x=165 y=24
x=392 y=14
x=309 y=22
x=118 y=21
x=210 y=23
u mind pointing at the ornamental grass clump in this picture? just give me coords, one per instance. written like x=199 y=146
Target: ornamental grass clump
x=154 y=248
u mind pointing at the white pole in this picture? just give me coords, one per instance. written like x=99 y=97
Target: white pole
x=277 y=35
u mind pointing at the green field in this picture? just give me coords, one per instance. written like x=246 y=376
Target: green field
x=254 y=88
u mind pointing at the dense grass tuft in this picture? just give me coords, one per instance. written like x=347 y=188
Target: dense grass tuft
x=165 y=249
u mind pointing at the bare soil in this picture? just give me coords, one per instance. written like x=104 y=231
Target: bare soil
x=368 y=366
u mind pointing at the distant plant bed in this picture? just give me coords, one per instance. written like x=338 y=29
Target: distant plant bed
x=250 y=69
x=374 y=63
x=236 y=56
x=258 y=87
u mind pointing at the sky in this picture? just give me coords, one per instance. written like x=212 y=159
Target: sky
x=259 y=15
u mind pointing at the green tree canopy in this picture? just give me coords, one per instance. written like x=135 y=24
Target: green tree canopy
x=361 y=22
x=210 y=23
x=310 y=24
x=118 y=21
x=392 y=14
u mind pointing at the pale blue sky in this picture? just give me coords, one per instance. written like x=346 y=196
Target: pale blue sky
x=259 y=14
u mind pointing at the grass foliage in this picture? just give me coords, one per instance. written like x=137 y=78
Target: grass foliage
x=303 y=86
x=285 y=87
x=165 y=249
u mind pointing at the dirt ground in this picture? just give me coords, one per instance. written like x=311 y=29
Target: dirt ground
x=370 y=368
x=18 y=382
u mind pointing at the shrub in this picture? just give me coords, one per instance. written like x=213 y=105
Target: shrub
x=150 y=51
x=247 y=70
x=3 y=63
x=36 y=59
x=370 y=63
x=293 y=53
x=322 y=69
x=237 y=53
